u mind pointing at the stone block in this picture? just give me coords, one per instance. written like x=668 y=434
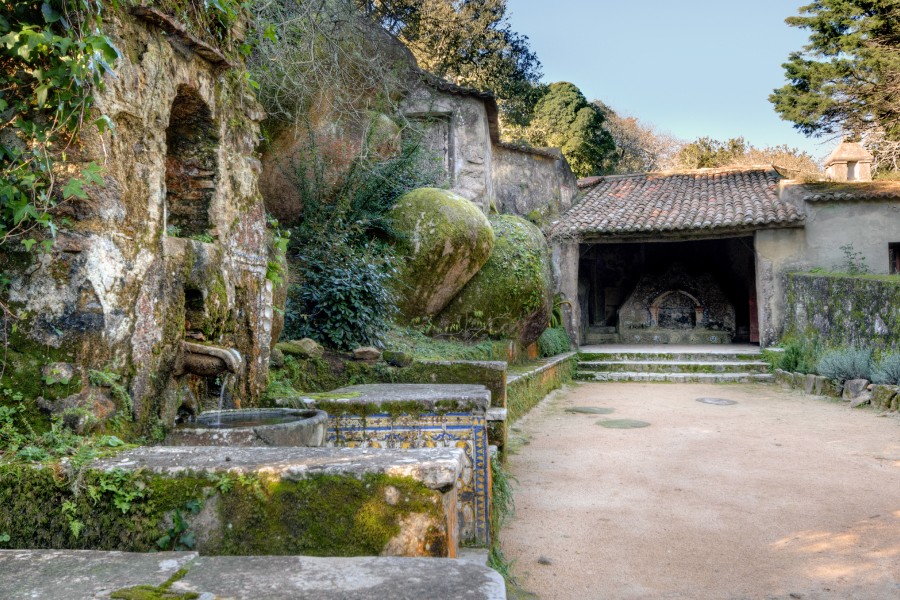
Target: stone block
x=305 y=348
x=366 y=353
x=89 y=575
x=783 y=377
x=854 y=388
x=883 y=395
x=832 y=388
x=415 y=416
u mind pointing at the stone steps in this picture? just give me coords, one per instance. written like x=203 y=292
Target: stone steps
x=674 y=377
x=680 y=364
x=675 y=366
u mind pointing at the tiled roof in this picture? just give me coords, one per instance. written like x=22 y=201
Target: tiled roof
x=689 y=201
x=849 y=191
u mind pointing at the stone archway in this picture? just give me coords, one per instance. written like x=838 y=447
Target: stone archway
x=191 y=164
x=676 y=309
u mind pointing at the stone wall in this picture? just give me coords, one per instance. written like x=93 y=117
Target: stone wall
x=863 y=215
x=839 y=311
x=124 y=284
x=533 y=183
x=456 y=128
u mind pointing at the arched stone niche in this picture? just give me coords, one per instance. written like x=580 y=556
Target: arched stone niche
x=191 y=164
x=676 y=309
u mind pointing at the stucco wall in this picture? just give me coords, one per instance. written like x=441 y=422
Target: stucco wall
x=467 y=139
x=532 y=185
x=868 y=224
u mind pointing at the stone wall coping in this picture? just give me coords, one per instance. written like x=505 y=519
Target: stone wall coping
x=436 y=468
x=496 y=414
x=496 y=365
x=91 y=574
x=548 y=363
x=467 y=396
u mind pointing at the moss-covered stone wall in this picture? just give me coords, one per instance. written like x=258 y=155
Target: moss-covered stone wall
x=523 y=393
x=48 y=506
x=842 y=310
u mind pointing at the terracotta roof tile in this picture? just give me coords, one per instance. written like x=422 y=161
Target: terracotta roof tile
x=689 y=201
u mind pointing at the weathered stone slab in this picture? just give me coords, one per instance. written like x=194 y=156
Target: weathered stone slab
x=882 y=395
x=429 y=397
x=87 y=574
x=832 y=388
x=91 y=575
x=436 y=468
x=854 y=388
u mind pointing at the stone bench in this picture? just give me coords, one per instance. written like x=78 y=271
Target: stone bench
x=92 y=575
x=410 y=416
x=318 y=501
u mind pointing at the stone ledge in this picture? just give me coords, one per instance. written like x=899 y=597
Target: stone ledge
x=436 y=468
x=86 y=574
x=547 y=363
x=430 y=396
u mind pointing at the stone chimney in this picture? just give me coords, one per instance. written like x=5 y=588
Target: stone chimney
x=849 y=162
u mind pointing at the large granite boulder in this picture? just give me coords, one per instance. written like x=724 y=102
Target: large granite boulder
x=511 y=295
x=445 y=240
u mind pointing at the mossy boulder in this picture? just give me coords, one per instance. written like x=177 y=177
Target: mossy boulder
x=445 y=240
x=511 y=295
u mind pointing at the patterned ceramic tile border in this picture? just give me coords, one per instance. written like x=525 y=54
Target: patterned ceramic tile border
x=453 y=430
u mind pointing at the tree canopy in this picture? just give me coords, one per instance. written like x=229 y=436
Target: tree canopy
x=847 y=79
x=707 y=152
x=564 y=119
x=470 y=42
x=639 y=146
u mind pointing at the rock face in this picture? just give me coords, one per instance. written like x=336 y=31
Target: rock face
x=445 y=240
x=511 y=295
x=173 y=243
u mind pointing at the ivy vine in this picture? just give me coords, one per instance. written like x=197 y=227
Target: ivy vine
x=52 y=55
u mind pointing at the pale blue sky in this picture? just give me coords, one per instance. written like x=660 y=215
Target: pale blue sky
x=689 y=67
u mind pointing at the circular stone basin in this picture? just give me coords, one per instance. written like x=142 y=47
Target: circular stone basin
x=623 y=424
x=253 y=427
x=716 y=401
x=589 y=410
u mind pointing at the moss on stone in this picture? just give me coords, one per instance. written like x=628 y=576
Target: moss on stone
x=511 y=295
x=324 y=515
x=445 y=240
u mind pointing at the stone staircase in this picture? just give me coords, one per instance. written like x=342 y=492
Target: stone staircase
x=682 y=364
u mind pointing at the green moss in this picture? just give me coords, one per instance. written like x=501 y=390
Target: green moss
x=322 y=516
x=156 y=592
x=327 y=515
x=511 y=295
x=445 y=240
x=524 y=393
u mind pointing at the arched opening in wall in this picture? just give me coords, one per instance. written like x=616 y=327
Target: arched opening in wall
x=191 y=165
x=675 y=310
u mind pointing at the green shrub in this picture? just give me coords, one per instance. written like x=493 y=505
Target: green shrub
x=846 y=363
x=799 y=356
x=887 y=371
x=554 y=340
x=340 y=267
x=341 y=299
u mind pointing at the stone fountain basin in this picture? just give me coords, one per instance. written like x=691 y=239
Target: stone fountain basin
x=253 y=427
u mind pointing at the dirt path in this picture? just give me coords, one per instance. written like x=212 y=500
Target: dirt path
x=780 y=496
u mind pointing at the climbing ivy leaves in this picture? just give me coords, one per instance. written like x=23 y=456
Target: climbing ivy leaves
x=52 y=56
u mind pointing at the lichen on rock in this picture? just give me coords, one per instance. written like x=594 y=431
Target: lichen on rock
x=511 y=295
x=445 y=240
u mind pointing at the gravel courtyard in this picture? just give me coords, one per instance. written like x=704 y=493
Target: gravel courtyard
x=779 y=496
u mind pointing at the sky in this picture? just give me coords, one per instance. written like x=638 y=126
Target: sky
x=687 y=67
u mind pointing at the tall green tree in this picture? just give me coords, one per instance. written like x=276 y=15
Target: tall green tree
x=470 y=42
x=564 y=119
x=847 y=79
